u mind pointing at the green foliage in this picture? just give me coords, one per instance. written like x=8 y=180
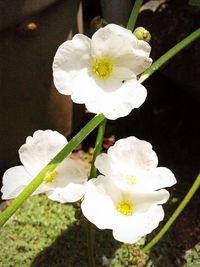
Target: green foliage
x=43 y=233
x=128 y=255
x=192 y=257
x=194 y=2
x=32 y=228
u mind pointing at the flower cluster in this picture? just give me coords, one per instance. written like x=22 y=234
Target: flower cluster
x=127 y=196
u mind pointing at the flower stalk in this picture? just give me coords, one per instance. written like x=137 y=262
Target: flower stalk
x=73 y=143
x=169 y=54
x=134 y=14
x=176 y=213
x=93 y=174
x=98 y=147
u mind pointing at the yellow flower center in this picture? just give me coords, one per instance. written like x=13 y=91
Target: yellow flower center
x=50 y=176
x=102 y=67
x=131 y=179
x=125 y=207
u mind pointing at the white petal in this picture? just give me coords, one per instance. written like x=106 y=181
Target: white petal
x=130 y=154
x=87 y=88
x=103 y=164
x=129 y=229
x=162 y=177
x=112 y=40
x=133 y=93
x=123 y=47
x=71 y=193
x=14 y=181
x=137 y=61
x=123 y=73
x=71 y=57
x=118 y=103
x=151 y=180
x=154 y=216
x=144 y=200
x=40 y=149
x=111 y=84
x=84 y=88
x=157 y=178
x=69 y=182
x=97 y=205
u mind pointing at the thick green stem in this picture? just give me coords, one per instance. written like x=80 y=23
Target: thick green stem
x=169 y=54
x=176 y=213
x=134 y=15
x=93 y=174
x=73 y=143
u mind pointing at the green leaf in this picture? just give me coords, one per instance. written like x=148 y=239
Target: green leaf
x=194 y=2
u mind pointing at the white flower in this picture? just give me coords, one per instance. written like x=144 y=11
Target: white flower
x=130 y=214
x=101 y=72
x=133 y=161
x=65 y=184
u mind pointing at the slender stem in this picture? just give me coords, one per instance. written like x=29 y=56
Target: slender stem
x=73 y=143
x=134 y=15
x=169 y=54
x=98 y=147
x=176 y=213
x=90 y=244
x=93 y=174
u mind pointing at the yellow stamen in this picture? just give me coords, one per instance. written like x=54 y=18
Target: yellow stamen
x=50 y=176
x=131 y=179
x=125 y=207
x=102 y=67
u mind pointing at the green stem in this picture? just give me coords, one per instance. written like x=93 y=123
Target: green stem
x=73 y=143
x=176 y=213
x=93 y=174
x=90 y=244
x=169 y=54
x=98 y=147
x=134 y=15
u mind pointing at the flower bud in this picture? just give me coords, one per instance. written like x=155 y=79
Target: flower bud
x=142 y=34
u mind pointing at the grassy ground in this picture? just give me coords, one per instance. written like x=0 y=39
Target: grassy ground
x=43 y=233
x=46 y=234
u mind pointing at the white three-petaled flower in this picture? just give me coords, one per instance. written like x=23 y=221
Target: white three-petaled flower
x=126 y=199
x=65 y=184
x=101 y=72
